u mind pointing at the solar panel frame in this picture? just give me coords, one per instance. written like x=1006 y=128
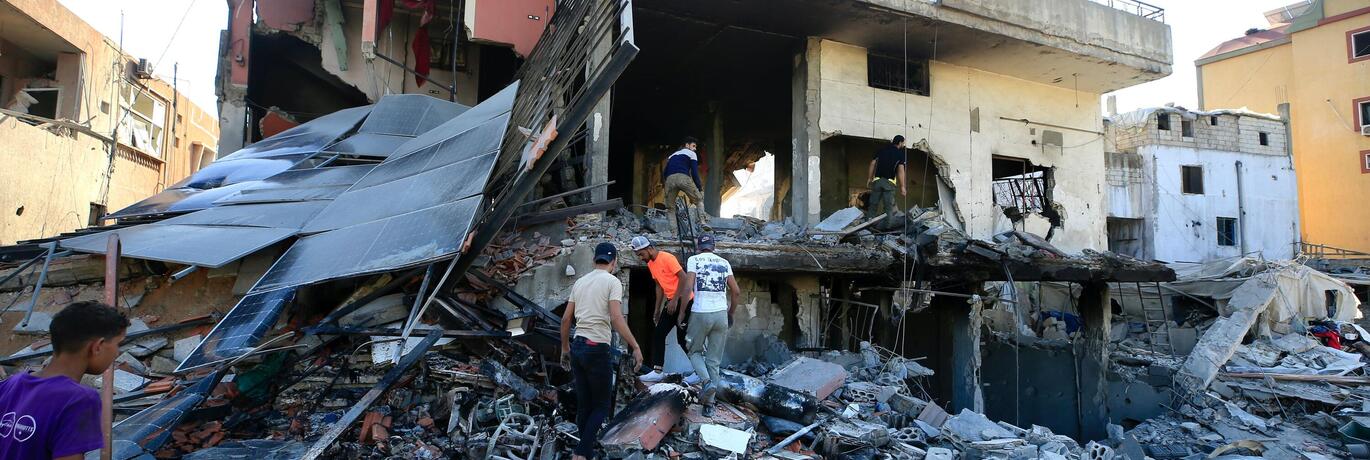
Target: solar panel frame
x=241 y=329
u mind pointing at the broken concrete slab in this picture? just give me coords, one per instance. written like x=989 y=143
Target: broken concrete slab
x=972 y=426
x=37 y=324
x=147 y=346
x=839 y=220
x=1222 y=339
x=811 y=376
x=184 y=347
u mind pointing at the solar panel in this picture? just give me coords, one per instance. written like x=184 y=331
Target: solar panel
x=149 y=429
x=369 y=144
x=407 y=194
x=382 y=245
x=241 y=330
x=298 y=182
x=254 y=162
x=291 y=215
x=206 y=246
x=409 y=114
x=282 y=195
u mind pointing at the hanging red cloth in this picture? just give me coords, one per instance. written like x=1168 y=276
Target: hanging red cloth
x=423 y=50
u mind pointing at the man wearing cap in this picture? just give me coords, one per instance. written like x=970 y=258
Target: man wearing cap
x=715 y=296
x=667 y=273
x=887 y=165
x=681 y=175
x=596 y=306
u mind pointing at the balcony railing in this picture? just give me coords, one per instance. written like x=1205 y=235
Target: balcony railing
x=1139 y=8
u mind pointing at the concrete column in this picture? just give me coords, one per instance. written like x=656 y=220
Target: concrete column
x=713 y=180
x=1092 y=351
x=966 y=392
x=233 y=116
x=597 y=140
x=805 y=189
x=808 y=311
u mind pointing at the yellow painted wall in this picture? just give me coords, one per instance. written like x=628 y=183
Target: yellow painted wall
x=1258 y=81
x=850 y=107
x=55 y=177
x=1333 y=191
x=1320 y=86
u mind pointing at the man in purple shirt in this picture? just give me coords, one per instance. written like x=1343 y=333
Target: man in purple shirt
x=49 y=414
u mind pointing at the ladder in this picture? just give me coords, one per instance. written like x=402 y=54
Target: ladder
x=685 y=228
x=1156 y=318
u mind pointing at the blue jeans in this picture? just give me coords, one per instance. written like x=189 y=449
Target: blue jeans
x=593 y=369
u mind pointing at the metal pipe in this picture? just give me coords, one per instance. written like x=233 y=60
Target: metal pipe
x=184 y=273
x=107 y=377
x=1241 y=211
x=19 y=270
x=38 y=288
x=451 y=90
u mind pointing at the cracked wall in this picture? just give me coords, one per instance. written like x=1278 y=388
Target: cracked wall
x=971 y=116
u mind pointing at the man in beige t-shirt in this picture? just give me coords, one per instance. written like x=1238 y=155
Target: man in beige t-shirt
x=596 y=305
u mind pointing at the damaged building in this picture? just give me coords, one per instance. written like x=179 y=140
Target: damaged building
x=1191 y=186
x=377 y=267
x=85 y=128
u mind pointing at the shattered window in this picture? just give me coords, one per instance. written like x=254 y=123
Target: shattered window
x=1265 y=138
x=897 y=74
x=1192 y=179
x=1186 y=128
x=1227 y=231
x=144 y=118
x=1019 y=184
x=1163 y=121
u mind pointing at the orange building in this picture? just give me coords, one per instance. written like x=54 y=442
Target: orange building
x=1312 y=66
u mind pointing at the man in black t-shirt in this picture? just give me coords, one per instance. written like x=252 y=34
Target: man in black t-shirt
x=887 y=166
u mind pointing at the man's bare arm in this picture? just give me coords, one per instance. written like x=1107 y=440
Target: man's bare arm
x=621 y=325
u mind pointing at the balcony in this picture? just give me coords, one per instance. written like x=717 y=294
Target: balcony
x=1142 y=9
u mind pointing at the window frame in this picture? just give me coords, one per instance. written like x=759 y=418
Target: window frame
x=1359 y=122
x=1186 y=128
x=919 y=81
x=1263 y=138
x=1163 y=116
x=1235 y=230
x=158 y=132
x=1351 y=44
x=1365 y=161
x=1184 y=170
x=1212 y=120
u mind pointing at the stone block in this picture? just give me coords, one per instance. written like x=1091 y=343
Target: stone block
x=811 y=376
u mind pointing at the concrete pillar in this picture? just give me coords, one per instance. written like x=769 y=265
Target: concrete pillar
x=805 y=189
x=597 y=140
x=713 y=180
x=233 y=119
x=808 y=311
x=1092 y=351
x=966 y=392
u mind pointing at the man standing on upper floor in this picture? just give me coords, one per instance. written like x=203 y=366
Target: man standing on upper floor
x=681 y=175
x=886 y=167
x=668 y=274
x=716 y=296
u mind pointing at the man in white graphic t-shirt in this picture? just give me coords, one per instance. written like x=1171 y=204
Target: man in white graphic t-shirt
x=716 y=295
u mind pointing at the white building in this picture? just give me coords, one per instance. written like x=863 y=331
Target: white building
x=1189 y=186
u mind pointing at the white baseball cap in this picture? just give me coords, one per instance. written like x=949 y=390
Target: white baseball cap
x=640 y=242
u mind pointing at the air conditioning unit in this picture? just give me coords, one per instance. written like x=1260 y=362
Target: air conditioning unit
x=1365 y=130
x=143 y=70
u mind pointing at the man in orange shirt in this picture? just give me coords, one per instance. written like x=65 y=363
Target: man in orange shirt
x=667 y=272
